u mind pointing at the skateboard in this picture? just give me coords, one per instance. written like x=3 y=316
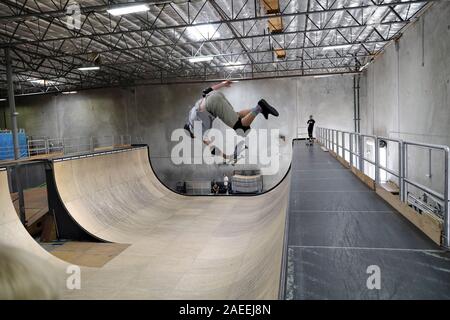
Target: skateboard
x=237 y=155
x=238 y=152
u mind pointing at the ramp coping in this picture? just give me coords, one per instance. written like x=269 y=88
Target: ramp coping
x=95 y=154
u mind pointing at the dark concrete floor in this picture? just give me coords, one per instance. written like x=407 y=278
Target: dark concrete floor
x=338 y=228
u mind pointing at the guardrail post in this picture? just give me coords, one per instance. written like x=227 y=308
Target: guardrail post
x=377 y=160
x=429 y=175
x=361 y=153
x=400 y=169
x=337 y=142
x=343 y=144
x=332 y=140
x=28 y=147
x=446 y=239
x=350 y=138
x=329 y=139
x=405 y=172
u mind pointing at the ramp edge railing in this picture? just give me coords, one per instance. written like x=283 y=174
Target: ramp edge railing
x=335 y=140
x=66 y=146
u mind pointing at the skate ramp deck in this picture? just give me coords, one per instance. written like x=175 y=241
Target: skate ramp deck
x=182 y=247
x=338 y=227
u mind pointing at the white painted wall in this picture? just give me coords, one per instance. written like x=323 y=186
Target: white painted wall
x=406 y=92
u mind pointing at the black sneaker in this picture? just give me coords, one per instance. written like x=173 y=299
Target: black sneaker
x=267 y=109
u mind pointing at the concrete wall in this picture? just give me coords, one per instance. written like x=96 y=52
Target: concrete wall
x=153 y=112
x=87 y=113
x=405 y=92
x=158 y=110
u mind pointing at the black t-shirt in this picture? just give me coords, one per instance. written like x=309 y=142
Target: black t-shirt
x=311 y=123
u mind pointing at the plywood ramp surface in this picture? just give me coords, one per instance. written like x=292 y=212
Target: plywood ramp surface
x=14 y=238
x=181 y=247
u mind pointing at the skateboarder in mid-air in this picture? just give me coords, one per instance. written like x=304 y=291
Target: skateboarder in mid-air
x=310 y=124
x=214 y=105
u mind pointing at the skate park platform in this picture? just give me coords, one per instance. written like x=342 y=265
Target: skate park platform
x=338 y=227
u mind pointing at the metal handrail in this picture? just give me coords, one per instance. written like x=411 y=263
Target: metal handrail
x=71 y=145
x=329 y=138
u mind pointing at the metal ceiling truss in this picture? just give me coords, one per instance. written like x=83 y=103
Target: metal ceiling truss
x=317 y=36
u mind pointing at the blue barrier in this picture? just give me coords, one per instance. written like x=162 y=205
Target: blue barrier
x=7 y=145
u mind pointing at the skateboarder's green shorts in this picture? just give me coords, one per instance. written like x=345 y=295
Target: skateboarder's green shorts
x=220 y=107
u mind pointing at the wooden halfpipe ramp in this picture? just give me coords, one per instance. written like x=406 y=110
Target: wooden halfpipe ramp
x=181 y=246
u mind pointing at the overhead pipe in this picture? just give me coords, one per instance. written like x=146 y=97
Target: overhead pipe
x=356 y=103
x=12 y=103
x=14 y=114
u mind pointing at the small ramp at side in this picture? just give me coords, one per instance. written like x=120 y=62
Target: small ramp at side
x=182 y=247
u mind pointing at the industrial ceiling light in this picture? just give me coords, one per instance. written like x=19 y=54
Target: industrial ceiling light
x=234 y=65
x=206 y=31
x=128 y=9
x=2 y=99
x=337 y=47
x=323 y=76
x=69 y=92
x=89 y=68
x=43 y=82
x=201 y=59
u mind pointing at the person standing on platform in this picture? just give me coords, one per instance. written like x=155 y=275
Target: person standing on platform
x=310 y=124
